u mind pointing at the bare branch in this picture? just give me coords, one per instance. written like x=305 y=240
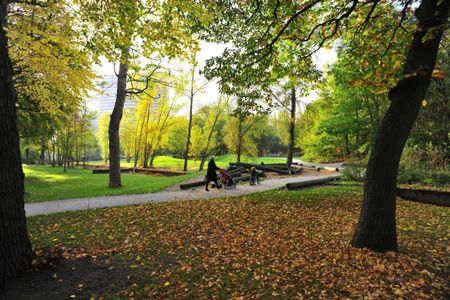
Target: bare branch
x=136 y=91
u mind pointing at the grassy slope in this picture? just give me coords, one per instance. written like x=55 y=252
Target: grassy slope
x=275 y=244
x=43 y=183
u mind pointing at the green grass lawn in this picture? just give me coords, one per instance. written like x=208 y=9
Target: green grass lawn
x=271 y=245
x=167 y=162
x=44 y=183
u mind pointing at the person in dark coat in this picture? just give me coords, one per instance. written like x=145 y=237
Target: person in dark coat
x=211 y=174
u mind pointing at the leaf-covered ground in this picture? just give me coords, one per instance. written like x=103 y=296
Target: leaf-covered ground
x=276 y=244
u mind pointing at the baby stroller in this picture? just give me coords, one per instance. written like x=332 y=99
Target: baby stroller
x=226 y=179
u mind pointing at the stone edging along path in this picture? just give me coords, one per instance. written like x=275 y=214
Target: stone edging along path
x=50 y=207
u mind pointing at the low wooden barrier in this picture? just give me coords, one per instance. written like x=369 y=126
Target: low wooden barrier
x=441 y=198
x=301 y=184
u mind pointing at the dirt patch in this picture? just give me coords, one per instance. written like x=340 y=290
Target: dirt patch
x=81 y=278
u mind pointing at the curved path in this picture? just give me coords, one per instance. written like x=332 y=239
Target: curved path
x=49 y=207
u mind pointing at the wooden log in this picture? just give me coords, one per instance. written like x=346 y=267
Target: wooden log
x=441 y=198
x=278 y=166
x=242 y=178
x=314 y=168
x=192 y=184
x=100 y=171
x=331 y=169
x=106 y=170
x=301 y=184
x=234 y=168
x=260 y=173
x=264 y=168
x=297 y=170
x=276 y=170
x=235 y=174
x=297 y=166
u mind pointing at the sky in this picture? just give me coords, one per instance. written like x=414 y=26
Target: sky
x=210 y=93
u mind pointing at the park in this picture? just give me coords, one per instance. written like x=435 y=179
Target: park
x=182 y=149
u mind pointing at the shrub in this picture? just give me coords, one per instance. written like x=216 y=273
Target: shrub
x=440 y=178
x=355 y=171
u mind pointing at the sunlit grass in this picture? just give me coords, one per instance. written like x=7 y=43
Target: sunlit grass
x=44 y=183
x=172 y=163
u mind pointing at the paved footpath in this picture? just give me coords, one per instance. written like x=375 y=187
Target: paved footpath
x=50 y=207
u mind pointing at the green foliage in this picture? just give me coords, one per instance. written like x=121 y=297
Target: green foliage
x=154 y=27
x=424 y=166
x=103 y=124
x=432 y=126
x=355 y=170
x=128 y=132
x=155 y=115
x=52 y=71
x=175 y=142
x=342 y=123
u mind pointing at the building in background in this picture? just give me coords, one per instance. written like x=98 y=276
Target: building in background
x=103 y=101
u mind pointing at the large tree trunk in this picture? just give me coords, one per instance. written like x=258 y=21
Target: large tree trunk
x=114 y=123
x=292 y=128
x=376 y=228
x=15 y=246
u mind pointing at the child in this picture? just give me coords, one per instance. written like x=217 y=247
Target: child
x=253 y=176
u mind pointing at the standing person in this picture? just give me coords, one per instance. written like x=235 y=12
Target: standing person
x=211 y=174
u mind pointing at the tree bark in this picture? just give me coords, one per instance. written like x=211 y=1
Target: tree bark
x=376 y=228
x=239 y=141
x=15 y=246
x=114 y=123
x=43 y=148
x=292 y=128
x=66 y=151
x=53 y=160
x=27 y=155
x=60 y=163
x=191 y=103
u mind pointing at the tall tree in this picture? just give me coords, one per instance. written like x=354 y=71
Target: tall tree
x=376 y=228
x=52 y=70
x=122 y=31
x=313 y=24
x=191 y=95
x=209 y=139
x=15 y=246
